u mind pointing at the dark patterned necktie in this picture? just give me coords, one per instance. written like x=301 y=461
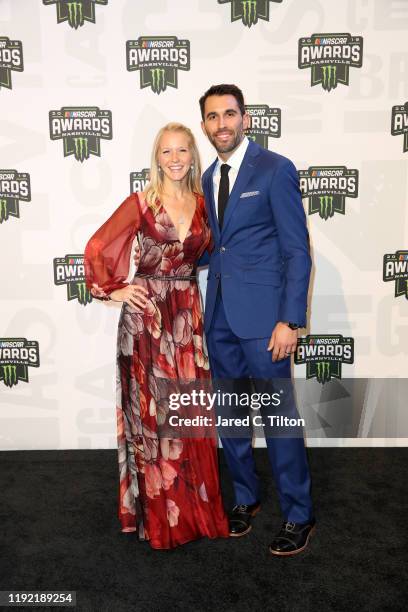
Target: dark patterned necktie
x=223 y=193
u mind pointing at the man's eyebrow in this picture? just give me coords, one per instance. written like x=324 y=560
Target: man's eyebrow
x=227 y=110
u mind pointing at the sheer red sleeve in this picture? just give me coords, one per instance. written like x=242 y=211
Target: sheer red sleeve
x=107 y=254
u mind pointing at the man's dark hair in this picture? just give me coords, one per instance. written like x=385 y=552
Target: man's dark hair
x=223 y=90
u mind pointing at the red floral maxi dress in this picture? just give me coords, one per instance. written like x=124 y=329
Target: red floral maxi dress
x=169 y=487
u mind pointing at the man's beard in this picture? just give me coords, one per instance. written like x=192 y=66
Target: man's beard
x=227 y=147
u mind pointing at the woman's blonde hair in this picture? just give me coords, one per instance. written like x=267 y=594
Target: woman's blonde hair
x=154 y=189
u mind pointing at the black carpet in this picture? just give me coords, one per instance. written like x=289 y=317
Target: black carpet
x=59 y=531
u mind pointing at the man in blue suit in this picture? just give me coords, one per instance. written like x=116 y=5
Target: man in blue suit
x=256 y=300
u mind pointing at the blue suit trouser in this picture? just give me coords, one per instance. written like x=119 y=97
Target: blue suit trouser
x=233 y=358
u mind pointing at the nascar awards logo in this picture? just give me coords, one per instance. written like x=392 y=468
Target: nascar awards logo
x=324 y=355
x=76 y=12
x=399 y=123
x=158 y=58
x=395 y=268
x=14 y=186
x=265 y=122
x=81 y=129
x=70 y=271
x=139 y=180
x=330 y=57
x=16 y=356
x=11 y=58
x=327 y=187
x=249 y=11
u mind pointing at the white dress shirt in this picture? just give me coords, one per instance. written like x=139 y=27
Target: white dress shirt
x=235 y=162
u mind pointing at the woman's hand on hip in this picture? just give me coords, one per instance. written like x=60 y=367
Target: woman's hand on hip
x=134 y=295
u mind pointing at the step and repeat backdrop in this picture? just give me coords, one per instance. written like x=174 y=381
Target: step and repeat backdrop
x=84 y=87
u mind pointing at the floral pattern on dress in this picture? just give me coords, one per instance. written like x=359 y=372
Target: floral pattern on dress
x=169 y=489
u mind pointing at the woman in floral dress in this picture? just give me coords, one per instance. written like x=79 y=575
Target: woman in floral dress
x=169 y=487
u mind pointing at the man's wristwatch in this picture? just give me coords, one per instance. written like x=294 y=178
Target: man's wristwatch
x=293 y=325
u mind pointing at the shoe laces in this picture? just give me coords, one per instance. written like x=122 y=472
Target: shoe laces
x=240 y=508
x=289 y=526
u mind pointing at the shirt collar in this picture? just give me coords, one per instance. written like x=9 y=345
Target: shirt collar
x=236 y=158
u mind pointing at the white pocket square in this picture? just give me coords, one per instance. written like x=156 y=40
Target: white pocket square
x=249 y=194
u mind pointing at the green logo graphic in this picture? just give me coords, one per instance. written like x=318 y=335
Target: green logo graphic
x=80 y=292
x=330 y=56
x=158 y=58
x=14 y=186
x=75 y=12
x=327 y=187
x=326 y=207
x=16 y=356
x=70 y=271
x=139 y=180
x=399 y=123
x=81 y=149
x=323 y=371
x=81 y=129
x=249 y=14
x=158 y=80
x=324 y=355
x=329 y=80
x=395 y=268
x=249 y=11
x=9 y=375
x=265 y=123
x=11 y=58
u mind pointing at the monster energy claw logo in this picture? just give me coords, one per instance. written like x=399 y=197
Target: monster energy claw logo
x=158 y=58
x=327 y=187
x=83 y=294
x=81 y=129
x=158 y=80
x=9 y=375
x=70 y=271
x=323 y=371
x=249 y=14
x=324 y=355
x=249 y=11
x=330 y=56
x=395 y=268
x=16 y=355
x=326 y=207
x=76 y=12
x=81 y=149
x=329 y=80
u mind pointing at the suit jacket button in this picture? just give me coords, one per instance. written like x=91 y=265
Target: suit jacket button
x=222 y=249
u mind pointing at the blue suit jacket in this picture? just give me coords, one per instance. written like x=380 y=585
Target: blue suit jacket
x=261 y=257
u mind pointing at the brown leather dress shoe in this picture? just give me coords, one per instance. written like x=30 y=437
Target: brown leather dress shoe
x=240 y=519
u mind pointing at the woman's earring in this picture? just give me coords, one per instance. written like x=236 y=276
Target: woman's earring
x=192 y=168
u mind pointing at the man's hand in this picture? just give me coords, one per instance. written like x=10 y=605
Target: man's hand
x=283 y=341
